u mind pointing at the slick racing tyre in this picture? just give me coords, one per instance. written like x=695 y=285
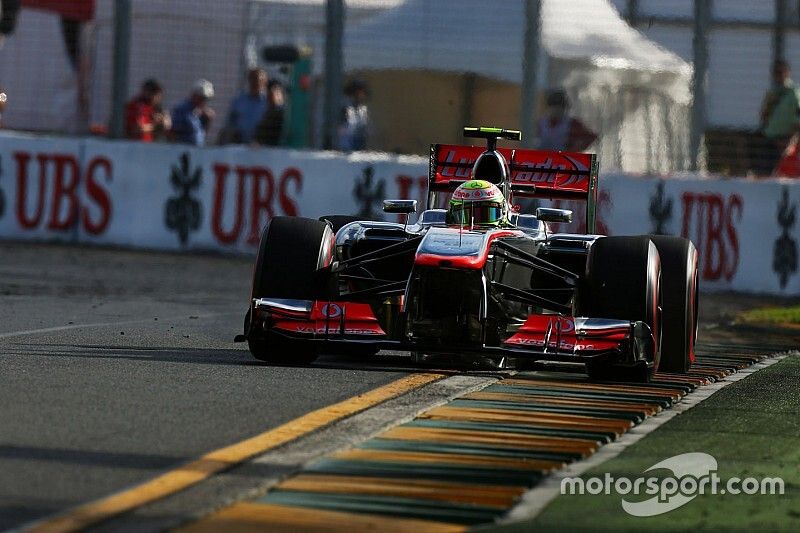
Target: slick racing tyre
x=337 y=222
x=291 y=257
x=623 y=281
x=680 y=283
x=291 y=262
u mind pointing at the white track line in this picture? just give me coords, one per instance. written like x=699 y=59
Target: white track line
x=535 y=500
x=53 y=329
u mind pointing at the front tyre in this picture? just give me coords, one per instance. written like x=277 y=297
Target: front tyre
x=623 y=281
x=679 y=260
x=292 y=262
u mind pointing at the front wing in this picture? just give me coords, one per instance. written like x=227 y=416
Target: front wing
x=542 y=337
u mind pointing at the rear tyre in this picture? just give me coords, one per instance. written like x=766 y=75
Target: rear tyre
x=291 y=262
x=623 y=281
x=680 y=281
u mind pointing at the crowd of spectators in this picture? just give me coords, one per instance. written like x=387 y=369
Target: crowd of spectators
x=256 y=116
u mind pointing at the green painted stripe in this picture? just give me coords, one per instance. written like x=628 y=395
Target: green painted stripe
x=739 y=358
x=599 y=436
x=714 y=367
x=460 y=473
x=385 y=505
x=666 y=383
x=731 y=365
x=574 y=393
x=597 y=412
x=717 y=363
x=466 y=449
x=727 y=348
x=732 y=359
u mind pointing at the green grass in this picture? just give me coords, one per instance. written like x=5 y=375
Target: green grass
x=752 y=428
x=771 y=315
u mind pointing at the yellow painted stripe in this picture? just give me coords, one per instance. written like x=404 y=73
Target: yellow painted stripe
x=485 y=495
x=258 y=517
x=223 y=458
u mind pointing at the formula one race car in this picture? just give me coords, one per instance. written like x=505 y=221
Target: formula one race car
x=479 y=279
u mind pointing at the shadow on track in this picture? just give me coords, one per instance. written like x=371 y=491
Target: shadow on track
x=382 y=362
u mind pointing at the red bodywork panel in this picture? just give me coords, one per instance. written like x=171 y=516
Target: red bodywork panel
x=550 y=335
x=562 y=175
x=475 y=251
x=330 y=318
x=554 y=332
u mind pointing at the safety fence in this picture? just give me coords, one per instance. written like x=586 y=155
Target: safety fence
x=172 y=197
x=665 y=85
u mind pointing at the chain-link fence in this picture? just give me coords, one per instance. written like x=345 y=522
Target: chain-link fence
x=651 y=86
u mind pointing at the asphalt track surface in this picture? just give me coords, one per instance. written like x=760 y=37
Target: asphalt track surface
x=144 y=375
x=116 y=366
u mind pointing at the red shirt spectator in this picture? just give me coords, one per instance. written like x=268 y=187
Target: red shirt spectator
x=143 y=115
x=139 y=123
x=558 y=130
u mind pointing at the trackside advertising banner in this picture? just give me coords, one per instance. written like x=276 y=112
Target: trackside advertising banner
x=175 y=197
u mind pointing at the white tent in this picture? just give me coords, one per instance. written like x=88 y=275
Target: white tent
x=433 y=66
x=438 y=63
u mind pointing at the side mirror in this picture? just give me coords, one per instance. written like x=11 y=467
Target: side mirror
x=548 y=214
x=403 y=207
x=433 y=216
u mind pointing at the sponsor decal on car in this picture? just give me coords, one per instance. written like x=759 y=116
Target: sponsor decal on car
x=331 y=310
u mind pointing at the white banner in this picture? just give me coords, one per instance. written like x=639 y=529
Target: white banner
x=177 y=197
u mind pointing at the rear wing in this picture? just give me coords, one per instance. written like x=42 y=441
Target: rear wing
x=545 y=174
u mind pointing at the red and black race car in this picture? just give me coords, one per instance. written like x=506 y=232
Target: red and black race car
x=511 y=292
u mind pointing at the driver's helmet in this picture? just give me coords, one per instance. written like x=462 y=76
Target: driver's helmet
x=477 y=202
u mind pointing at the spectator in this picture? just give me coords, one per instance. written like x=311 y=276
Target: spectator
x=271 y=126
x=247 y=109
x=558 y=130
x=779 y=118
x=3 y=100
x=144 y=117
x=192 y=118
x=355 y=118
